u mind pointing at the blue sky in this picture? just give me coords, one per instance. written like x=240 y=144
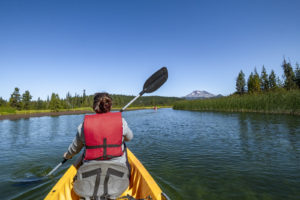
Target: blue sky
x=113 y=46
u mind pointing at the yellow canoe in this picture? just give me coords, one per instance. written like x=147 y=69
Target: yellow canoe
x=142 y=185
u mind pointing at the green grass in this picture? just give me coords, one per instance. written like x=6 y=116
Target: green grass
x=12 y=111
x=7 y=110
x=285 y=102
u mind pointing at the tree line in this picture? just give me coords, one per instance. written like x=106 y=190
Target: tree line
x=24 y=101
x=264 y=93
x=263 y=83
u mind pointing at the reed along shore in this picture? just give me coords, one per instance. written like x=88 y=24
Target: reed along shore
x=277 y=102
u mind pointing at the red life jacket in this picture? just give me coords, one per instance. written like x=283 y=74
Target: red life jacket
x=103 y=136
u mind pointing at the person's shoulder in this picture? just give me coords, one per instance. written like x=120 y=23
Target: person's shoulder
x=124 y=121
x=80 y=132
x=80 y=128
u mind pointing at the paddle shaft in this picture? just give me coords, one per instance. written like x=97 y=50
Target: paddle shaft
x=57 y=166
x=135 y=98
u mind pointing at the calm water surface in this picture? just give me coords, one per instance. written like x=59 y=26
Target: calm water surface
x=192 y=155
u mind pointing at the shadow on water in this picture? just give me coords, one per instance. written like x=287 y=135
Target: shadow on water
x=28 y=181
x=32 y=191
x=32 y=186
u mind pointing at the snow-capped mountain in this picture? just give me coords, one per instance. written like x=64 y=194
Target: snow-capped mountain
x=197 y=94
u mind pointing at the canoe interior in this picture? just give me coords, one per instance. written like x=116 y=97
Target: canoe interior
x=141 y=185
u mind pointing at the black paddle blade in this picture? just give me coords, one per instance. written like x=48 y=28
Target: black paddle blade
x=155 y=81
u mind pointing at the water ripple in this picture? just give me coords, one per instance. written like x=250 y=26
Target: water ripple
x=192 y=155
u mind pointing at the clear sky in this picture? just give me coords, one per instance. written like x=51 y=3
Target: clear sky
x=60 y=46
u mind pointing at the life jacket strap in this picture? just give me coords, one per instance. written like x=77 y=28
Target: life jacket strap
x=104 y=146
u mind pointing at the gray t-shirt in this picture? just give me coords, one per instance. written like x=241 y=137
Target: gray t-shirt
x=78 y=141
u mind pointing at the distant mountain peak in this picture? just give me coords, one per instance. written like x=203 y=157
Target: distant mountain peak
x=198 y=94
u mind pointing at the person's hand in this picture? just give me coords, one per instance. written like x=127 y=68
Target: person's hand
x=67 y=156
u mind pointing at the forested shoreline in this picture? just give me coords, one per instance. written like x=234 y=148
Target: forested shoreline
x=261 y=93
x=23 y=104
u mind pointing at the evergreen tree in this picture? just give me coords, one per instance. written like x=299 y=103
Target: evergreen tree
x=289 y=76
x=54 y=103
x=2 y=102
x=26 y=98
x=250 y=83
x=256 y=81
x=253 y=82
x=297 y=74
x=77 y=101
x=84 y=99
x=69 y=100
x=15 y=99
x=280 y=84
x=272 y=81
x=264 y=81
x=240 y=83
x=39 y=104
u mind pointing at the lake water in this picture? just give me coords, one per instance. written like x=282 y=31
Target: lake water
x=191 y=155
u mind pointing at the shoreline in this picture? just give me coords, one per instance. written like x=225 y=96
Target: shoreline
x=42 y=114
x=59 y=113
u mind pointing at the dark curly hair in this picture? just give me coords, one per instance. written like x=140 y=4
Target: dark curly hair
x=102 y=103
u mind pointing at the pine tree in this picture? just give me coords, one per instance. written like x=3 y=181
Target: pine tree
x=272 y=81
x=256 y=81
x=69 y=100
x=39 y=104
x=279 y=82
x=2 y=102
x=26 y=98
x=289 y=76
x=240 y=83
x=15 y=99
x=85 y=99
x=250 y=83
x=253 y=82
x=264 y=81
x=54 y=103
x=297 y=74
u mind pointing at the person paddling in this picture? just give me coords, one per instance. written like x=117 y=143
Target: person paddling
x=105 y=171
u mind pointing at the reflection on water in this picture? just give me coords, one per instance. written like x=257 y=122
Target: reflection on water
x=192 y=155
